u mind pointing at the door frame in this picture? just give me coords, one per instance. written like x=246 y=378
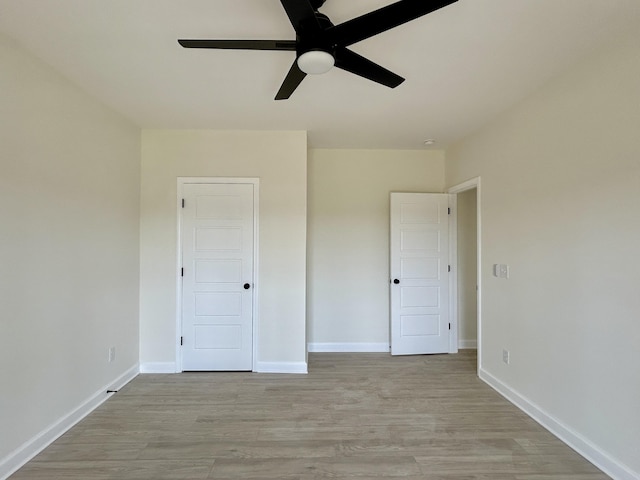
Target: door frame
x=454 y=191
x=181 y=181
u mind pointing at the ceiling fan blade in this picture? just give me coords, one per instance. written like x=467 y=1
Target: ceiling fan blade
x=302 y=16
x=354 y=63
x=288 y=45
x=291 y=82
x=384 y=19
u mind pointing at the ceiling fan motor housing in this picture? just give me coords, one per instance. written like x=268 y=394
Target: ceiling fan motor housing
x=316 y=4
x=310 y=39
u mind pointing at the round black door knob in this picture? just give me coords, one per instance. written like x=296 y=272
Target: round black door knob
x=247 y=286
x=396 y=281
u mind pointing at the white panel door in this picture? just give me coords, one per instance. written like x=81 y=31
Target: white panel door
x=217 y=283
x=419 y=273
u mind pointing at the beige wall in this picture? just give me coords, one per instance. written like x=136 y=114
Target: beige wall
x=279 y=159
x=69 y=193
x=467 y=268
x=560 y=196
x=348 y=245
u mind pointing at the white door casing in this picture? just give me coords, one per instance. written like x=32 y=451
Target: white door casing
x=474 y=183
x=419 y=269
x=217 y=243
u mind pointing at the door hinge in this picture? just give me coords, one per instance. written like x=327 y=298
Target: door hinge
x=181 y=340
x=449 y=326
x=183 y=203
x=448 y=211
x=448 y=268
x=182 y=272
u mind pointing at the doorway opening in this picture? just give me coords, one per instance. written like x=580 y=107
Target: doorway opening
x=468 y=254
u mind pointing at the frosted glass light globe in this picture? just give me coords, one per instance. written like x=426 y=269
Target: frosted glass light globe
x=316 y=62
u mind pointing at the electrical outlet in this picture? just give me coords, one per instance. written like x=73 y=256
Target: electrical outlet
x=112 y=354
x=505 y=356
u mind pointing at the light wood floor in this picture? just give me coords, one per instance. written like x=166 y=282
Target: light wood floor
x=358 y=416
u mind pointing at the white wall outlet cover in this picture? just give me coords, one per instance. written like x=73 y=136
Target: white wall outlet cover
x=505 y=356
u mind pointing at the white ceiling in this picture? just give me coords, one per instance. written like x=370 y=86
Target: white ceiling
x=463 y=64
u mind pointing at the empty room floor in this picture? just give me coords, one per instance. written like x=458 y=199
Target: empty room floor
x=361 y=416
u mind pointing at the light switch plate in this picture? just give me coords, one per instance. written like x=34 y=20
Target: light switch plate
x=501 y=270
x=504 y=271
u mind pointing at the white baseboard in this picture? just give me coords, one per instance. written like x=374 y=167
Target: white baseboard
x=261 y=367
x=470 y=344
x=584 y=447
x=158 y=367
x=281 y=367
x=348 y=347
x=25 y=452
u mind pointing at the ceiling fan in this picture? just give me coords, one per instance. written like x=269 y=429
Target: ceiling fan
x=319 y=44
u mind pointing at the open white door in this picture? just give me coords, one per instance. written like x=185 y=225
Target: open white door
x=217 y=284
x=419 y=273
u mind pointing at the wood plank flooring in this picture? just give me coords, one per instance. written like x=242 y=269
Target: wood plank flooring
x=356 y=416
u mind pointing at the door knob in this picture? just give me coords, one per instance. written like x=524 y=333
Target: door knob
x=247 y=286
x=396 y=281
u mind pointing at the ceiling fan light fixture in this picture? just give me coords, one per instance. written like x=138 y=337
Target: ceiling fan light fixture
x=315 y=62
x=320 y=45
